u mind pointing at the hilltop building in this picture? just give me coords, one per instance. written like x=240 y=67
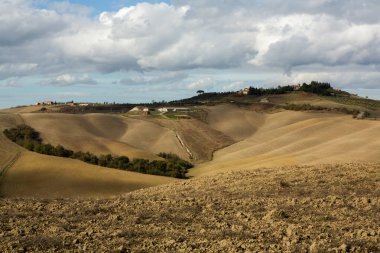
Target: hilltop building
x=244 y=91
x=46 y=103
x=296 y=87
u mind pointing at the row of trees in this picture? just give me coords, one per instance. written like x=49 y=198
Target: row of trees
x=172 y=165
x=319 y=88
x=269 y=91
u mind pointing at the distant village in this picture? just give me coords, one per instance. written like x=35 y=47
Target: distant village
x=67 y=103
x=175 y=111
x=179 y=112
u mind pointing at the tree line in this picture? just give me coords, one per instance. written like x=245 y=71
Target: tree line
x=171 y=166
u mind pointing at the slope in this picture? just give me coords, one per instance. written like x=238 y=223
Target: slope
x=8 y=149
x=236 y=122
x=299 y=138
x=312 y=209
x=35 y=175
x=102 y=133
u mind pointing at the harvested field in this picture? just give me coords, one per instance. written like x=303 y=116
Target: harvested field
x=331 y=208
x=293 y=138
x=103 y=134
x=201 y=139
x=36 y=175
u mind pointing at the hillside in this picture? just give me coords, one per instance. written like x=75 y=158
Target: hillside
x=331 y=208
x=288 y=137
x=30 y=174
x=103 y=134
x=8 y=150
x=200 y=138
x=226 y=136
x=35 y=175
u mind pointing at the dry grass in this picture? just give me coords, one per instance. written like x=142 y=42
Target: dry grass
x=102 y=134
x=8 y=150
x=238 y=123
x=35 y=175
x=288 y=138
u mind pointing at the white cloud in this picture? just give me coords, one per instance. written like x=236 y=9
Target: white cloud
x=205 y=83
x=235 y=86
x=69 y=80
x=367 y=80
x=71 y=95
x=274 y=35
x=164 y=78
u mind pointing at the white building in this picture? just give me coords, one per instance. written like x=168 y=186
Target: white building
x=173 y=109
x=140 y=109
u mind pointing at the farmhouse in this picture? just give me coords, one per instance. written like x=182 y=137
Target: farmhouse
x=140 y=110
x=244 y=91
x=296 y=87
x=46 y=103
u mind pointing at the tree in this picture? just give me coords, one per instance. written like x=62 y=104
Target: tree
x=200 y=92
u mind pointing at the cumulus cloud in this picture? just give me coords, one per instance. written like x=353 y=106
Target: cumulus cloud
x=273 y=35
x=165 y=78
x=235 y=86
x=343 y=80
x=205 y=83
x=21 y=23
x=69 y=80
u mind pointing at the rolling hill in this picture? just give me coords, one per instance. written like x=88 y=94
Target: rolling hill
x=40 y=176
x=103 y=134
x=231 y=136
x=293 y=138
x=29 y=174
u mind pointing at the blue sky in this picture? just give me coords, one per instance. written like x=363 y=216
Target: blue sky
x=122 y=51
x=112 y=5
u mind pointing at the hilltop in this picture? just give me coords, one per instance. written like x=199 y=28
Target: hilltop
x=316 y=96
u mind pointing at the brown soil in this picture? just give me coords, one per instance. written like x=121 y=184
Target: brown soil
x=332 y=208
x=199 y=137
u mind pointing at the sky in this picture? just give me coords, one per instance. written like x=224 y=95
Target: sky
x=140 y=51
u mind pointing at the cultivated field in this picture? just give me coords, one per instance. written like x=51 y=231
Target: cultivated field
x=9 y=151
x=294 y=138
x=104 y=134
x=331 y=208
x=33 y=175
x=266 y=180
